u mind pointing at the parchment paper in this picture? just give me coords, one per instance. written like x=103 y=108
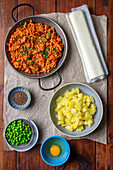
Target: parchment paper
x=71 y=71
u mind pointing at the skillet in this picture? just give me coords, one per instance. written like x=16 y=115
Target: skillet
x=44 y=20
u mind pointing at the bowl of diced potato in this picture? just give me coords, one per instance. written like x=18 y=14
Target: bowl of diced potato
x=76 y=109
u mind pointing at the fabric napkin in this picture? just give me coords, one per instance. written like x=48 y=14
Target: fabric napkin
x=71 y=71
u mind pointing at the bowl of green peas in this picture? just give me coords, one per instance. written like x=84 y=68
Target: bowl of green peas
x=19 y=134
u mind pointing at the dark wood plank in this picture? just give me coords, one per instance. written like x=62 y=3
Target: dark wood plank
x=104 y=154
x=40 y=6
x=65 y=5
x=82 y=151
x=7 y=159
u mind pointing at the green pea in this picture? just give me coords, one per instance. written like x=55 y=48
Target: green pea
x=19 y=139
x=28 y=139
x=23 y=127
x=22 y=142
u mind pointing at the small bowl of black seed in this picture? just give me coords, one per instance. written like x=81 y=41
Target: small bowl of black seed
x=19 y=98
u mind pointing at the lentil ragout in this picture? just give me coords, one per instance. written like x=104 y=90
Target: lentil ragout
x=35 y=48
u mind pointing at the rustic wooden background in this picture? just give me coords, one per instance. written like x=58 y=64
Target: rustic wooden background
x=85 y=154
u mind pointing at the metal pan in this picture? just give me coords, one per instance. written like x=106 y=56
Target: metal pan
x=49 y=22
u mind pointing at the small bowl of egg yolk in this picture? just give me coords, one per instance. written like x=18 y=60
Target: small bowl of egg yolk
x=55 y=151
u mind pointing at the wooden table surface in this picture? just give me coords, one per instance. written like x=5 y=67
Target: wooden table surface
x=85 y=154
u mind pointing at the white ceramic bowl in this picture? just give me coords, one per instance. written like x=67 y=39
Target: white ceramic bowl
x=85 y=89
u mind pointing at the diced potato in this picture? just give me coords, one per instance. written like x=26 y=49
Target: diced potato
x=85 y=97
x=92 y=99
x=71 y=104
x=73 y=119
x=63 y=125
x=87 y=116
x=81 y=122
x=67 y=121
x=93 y=106
x=60 y=122
x=59 y=105
x=92 y=111
x=75 y=98
x=79 y=114
x=64 y=102
x=70 y=128
x=67 y=91
x=88 y=99
x=57 y=109
x=83 y=104
x=85 y=109
x=80 y=95
x=75 y=125
x=77 y=90
x=69 y=95
x=63 y=108
x=88 y=104
x=59 y=99
x=69 y=115
x=80 y=128
x=90 y=123
x=85 y=122
x=78 y=106
x=74 y=110
x=60 y=116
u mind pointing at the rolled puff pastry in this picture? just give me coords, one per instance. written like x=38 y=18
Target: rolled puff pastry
x=89 y=54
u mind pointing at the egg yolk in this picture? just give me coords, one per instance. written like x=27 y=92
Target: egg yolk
x=55 y=150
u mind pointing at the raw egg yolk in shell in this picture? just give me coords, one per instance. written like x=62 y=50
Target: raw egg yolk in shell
x=55 y=150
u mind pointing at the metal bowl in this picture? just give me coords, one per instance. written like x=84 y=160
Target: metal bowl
x=44 y=20
x=33 y=138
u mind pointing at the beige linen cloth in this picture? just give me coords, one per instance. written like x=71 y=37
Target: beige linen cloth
x=71 y=71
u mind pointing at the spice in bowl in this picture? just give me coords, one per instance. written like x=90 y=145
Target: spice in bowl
x=20 y=97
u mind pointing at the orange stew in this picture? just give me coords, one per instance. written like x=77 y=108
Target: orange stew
x=35 y=48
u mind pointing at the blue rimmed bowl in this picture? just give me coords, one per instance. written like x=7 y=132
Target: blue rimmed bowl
x=13 y=104
x=64 y=151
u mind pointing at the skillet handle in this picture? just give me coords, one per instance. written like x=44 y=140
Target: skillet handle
x=52 y=87
x=25 y=4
